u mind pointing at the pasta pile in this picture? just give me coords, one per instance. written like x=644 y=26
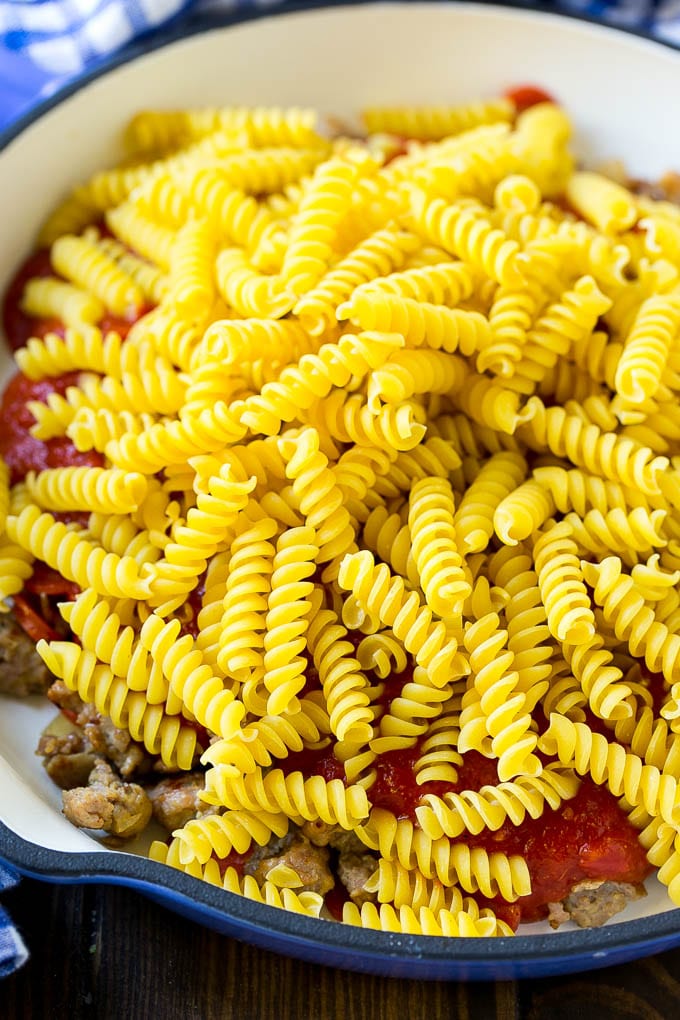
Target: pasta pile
x=399 y=403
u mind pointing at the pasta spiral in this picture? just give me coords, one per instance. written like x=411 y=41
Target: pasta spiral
x=82 y=262
x=433 y=122
x=445 y=283
x=75 y=556
x=257 y=744
x=420 y=323
x=451 y=863
x=161 y=734
x=645 y=349
x=316 y=223
x=396 y=885
x=618 y=531
x=298 y=387
x=474 y=519
x=611 y=456
x=406 y=921
x=577 y=746
x=175 y=441
x=300 y=798
x=467 y=233
x=84 y=348
x=490 y=807
x=376 y=256
x=244 y=605
x=16 y=565
x=100 y=630
x=494 y=709
x=191 y=680
x=343 y=683
x=435 y=548
x=220 y=834
x=562 y=585
x=100 y=489
x=319 y=496
x=414 y=372
x=288 y=607
x=385 y=596
x=633 y=621
x=48 y=297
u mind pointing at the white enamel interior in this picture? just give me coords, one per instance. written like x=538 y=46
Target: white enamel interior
x=622 y=92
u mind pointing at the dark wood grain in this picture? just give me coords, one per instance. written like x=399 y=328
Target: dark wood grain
x=107 y=953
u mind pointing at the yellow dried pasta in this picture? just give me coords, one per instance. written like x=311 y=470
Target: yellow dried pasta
x=387 y=479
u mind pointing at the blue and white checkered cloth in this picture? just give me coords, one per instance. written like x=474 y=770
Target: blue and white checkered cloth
x=12 y=949
x=45 y=43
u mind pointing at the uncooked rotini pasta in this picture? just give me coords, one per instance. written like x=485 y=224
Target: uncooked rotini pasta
x=341 y=481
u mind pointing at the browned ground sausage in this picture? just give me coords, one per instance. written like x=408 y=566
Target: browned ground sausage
x=591 y=903
x=22 y=671
x=175 y=800
x=308 y=861
x=123 y=809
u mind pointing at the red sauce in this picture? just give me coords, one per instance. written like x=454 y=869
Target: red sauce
x=18 y=326
x=395 y=788
x=596 y=724
x=23 y=452
x=312 y=679
x=476 y=771
x=233 y=860
x=41 y=327
x=392 y=687
x=122 y=324
x=32 y=622
x=588 y=837
x=335 y=900
x=355 y=637
x=525 y=96
x=47 y=581
x=315 y=762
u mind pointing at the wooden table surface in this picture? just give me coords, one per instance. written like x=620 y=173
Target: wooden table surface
x=108 y=954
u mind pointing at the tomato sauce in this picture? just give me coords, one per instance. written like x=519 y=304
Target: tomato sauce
x=525 y=96
x=588 y=837
x=314 y=762
x=32 y=622
x=21 y=451
x=335 y=900
x=233 y=860
x=47 y=581
x=395 y=788
x=122 y=325
x=17 y=325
